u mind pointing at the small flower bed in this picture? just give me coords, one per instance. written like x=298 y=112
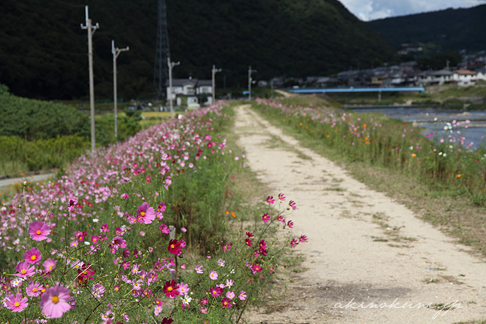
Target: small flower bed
x=119 y=237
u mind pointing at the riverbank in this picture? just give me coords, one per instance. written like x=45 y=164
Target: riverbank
x=396 y=159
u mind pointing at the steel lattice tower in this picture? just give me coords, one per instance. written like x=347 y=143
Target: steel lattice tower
x=162 y=49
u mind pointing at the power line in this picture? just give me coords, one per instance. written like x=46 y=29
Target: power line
x=68 y=4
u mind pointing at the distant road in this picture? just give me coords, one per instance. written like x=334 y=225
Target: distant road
x=8 y=182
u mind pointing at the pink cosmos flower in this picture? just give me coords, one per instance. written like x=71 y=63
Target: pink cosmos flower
x=226 y=302
x=204 y=310
x=270 y=200
x=256 y=268
x=281 y=219
x=104 y=228
x=213 y=275
x=281 y=196
x=230 y=294
x=34 y=289
x=164 y=229
x=290 y=224
x=265 y=217
x=215 y=292
x=292 y=205
x=16 y=303
x=32 y=256
x=227 y=246
x=204 y=301
x=198 y=269
x=95 y=239
x=183 y=289
x=145 y=213
x=49 y=265
x=55 y=301
x=24 y=269
x=294 y=243
x=303 y=239
x=242 y=295
x=38 y=231
x=125 y=196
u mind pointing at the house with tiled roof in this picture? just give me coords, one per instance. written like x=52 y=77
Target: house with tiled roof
x=189 y=91
x=464 y=78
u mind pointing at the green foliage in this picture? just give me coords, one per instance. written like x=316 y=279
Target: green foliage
x=298 y=38
x=41 y=153
x=439 y=60
x=453 y=29
x=34 y=119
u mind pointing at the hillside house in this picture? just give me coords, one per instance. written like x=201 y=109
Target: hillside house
x=434 y=77
x=464 y=78
x=189 y=91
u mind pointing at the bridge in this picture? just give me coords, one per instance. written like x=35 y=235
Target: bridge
x=353 y=90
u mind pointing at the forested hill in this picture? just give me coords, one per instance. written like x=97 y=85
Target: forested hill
x=451 y=29
x=43 y=49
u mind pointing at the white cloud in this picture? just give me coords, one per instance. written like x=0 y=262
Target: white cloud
x=375 y=9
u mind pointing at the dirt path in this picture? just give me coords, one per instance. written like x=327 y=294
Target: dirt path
x=363 y=247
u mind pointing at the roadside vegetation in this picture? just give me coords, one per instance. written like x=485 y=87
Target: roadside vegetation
x=38 y=135
x=97 y=244
x=442 y=180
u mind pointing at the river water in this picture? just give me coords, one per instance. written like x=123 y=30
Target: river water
x=434 y=120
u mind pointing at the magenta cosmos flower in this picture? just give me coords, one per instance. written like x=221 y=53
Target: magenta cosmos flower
x=265 y=218
x=17 y=303
x=24 y=269
x=145 y=213
x=32 y=256
x=38 y=231
x=270 y=200
x=226 y=302
x=55 y=301
x=281 y=196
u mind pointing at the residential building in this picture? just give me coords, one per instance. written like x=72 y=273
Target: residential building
x=434 y=77
x=464 y=78
x=189 y=91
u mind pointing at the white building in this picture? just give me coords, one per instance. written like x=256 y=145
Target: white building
x=464 y=78
x=189 y=91
x=434 y=77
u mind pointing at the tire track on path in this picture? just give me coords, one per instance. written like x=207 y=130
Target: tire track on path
x=363 y=247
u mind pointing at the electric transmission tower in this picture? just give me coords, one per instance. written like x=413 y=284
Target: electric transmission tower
x=162 y=50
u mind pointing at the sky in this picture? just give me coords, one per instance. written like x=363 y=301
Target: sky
x=374 y=9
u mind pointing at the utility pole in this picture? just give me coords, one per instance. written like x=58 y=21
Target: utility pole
x=171 y=65
x=250 y=71
x=91 y=30
x=116 y=52
x=214 y=83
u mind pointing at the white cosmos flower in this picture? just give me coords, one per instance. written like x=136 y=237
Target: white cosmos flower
x=186 y=300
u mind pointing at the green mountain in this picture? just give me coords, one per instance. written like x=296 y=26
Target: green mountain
x=451 y=29
x=43 y=50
